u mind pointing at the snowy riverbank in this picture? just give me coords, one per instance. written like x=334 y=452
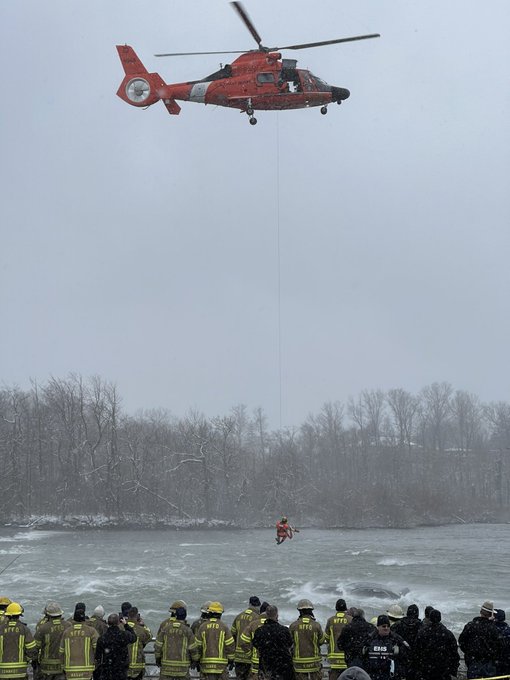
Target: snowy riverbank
x=104 y=522
x=144 y=522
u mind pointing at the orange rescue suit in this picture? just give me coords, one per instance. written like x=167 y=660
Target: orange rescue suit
x=283 y=530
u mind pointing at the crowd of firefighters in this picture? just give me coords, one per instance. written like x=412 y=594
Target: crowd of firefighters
x=256 y=645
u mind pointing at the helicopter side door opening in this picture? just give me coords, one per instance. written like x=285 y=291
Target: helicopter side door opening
x=290 y=75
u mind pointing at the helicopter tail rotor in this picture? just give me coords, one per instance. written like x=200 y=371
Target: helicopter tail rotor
x=139 y=87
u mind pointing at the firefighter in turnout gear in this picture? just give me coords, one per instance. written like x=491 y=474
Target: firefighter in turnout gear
x=241 y=622
x=4 y=603
x=176 y=648
x=81 y=608
x=217 y=646
x=97 y=620
x=17 y=646
x=172 y=609
x=203 y=617
x=135 y=650
x=247 y=639
x=308 y=637
x=77 y=648
x=44 y=618
x=334 y=626
x=47 y=637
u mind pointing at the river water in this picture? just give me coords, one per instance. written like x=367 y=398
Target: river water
x=454 y=568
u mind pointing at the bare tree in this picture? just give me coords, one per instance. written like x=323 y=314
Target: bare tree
x=373 y=403
x=436 y=399
x=466 y=420
x=67 y=446
x=403 y=406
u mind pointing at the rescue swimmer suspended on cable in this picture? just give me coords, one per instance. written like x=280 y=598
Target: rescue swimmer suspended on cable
x=284 y=530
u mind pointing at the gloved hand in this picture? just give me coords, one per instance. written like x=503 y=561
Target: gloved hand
x=231 y=665
x=396 y=650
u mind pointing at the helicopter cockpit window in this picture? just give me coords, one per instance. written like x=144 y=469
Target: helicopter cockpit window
x=308 y=83
x=321 y=85
x=265 y=77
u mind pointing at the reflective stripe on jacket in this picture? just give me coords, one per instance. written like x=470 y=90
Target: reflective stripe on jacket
x=307 y=636
x=334 y=626
x=47 y=638
x=17 y=646
x=217 y=646
x=241 y=622
x=135 y=650
x=77 y=649
x=175 y=648
x=247 y=641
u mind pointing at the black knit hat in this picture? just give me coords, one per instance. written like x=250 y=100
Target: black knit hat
x=340 y=605
x=435 y=616
x=412 y=611
x=254 y=601
x=383 y=620
x=125 y=607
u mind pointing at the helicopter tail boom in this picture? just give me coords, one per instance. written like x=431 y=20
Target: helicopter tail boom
x=139 y=87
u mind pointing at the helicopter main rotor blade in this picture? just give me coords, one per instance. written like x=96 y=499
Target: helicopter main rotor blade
x=238 y=6
x=190 y=54
x=302 y=46
x=305 y=46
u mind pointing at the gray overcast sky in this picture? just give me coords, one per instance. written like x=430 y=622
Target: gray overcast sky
x=143 y=247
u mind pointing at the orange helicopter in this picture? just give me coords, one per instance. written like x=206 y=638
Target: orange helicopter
x=257 y=80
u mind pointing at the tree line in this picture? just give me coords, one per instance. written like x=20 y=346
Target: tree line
x=384 y=458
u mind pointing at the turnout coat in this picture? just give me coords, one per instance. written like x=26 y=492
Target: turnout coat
x=308 y=637
x=17 y=647
x=217 y=646
x=47 y=638
x=77 y=650
x=175 y=648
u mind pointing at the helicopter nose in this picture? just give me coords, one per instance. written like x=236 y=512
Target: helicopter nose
x=338 y=94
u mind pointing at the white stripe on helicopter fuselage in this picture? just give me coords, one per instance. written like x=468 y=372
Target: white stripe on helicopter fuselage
x=198 y=91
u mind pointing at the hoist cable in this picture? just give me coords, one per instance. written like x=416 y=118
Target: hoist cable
x=279 y=278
